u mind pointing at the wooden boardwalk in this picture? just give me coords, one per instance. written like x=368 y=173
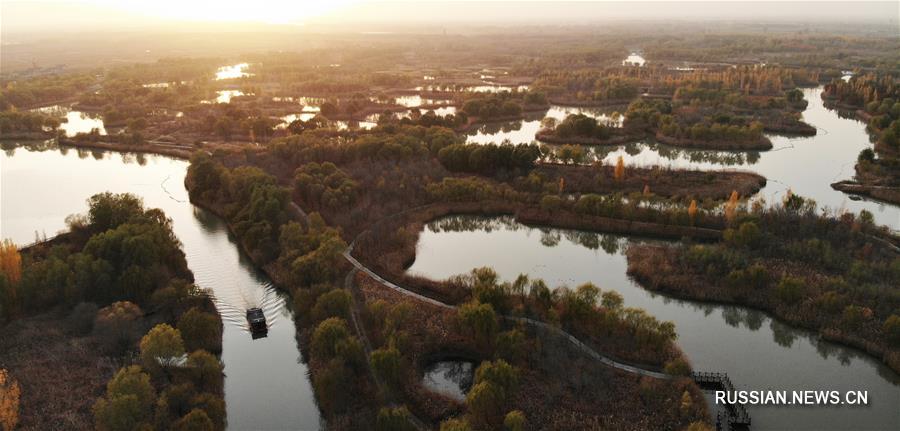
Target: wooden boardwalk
x=734 y=416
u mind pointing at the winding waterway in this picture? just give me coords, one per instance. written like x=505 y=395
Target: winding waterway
x=806 y=165
x=267 y=385
x=758 y=352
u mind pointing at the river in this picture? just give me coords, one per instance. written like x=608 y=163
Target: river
x=267 y=383
x=806 y=165
x=758 y=352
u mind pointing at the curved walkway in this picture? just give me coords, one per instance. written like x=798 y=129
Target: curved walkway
x=348 y=254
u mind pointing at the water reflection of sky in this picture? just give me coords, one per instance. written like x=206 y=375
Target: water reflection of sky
x=232 y=71
x=755 y=350
x=806 y=165
x=450 y=378
x=266 y=384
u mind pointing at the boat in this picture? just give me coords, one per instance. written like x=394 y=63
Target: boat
x=257 y=321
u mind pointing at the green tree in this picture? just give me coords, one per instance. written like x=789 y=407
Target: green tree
x=480 y=320
x=327 y=335
x=455 y=425
x=790 y=289
x=335 y=303
x=387 y=363
x=206 y=371
x=514 y=421
x=196 y=420
x=128 y=403
x=200 y=330
x=109 y=210
x=394 y=419
x=163 y=345
x=891 y=330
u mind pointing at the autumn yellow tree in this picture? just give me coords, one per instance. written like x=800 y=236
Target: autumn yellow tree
x=620 y=169
x=692 y=210
x=9 y=401
x=10 y=273
x=731 y=207
x=10 y=261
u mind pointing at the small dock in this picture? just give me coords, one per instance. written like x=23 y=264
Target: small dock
x=732 y=416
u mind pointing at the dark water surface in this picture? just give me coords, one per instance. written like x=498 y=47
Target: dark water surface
x=757 y=352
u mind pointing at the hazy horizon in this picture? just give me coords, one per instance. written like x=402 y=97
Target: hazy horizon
x=87 y=16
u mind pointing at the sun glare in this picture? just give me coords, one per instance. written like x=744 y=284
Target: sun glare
x=266 y=11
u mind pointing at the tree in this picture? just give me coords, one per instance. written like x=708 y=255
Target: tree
x=790 y=289
x=480 y=320
x=387 y=364
x=692 y=210
x=335 y=303
x=677 y=367
x=619 y=173
x=10 y=262
x=485 y=401
x=891 y=330
x=206 y=371
x=10 y=274
x=511 y=346
x=396 y=419
x=163 y=345
x=687 y=403
x=455 y=425
x=200 y=330
x=214 y=406
x=327 y=335
x=109 y=210
x=731 y=207
x=514 y=421
x=128 y=403
x=10 y=392
x=196 y=420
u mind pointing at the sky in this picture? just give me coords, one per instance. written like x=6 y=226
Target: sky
x=99 y=15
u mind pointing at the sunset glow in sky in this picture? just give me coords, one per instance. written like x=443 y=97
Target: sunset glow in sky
x=270 y=11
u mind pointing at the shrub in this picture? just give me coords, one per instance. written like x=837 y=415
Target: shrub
x=117 y=326
x=747 y=235
x=81 y=319
x=551 y=203
x=854 y=316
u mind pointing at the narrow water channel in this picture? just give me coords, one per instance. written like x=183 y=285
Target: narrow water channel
x=758 y=352
x=267 y=385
